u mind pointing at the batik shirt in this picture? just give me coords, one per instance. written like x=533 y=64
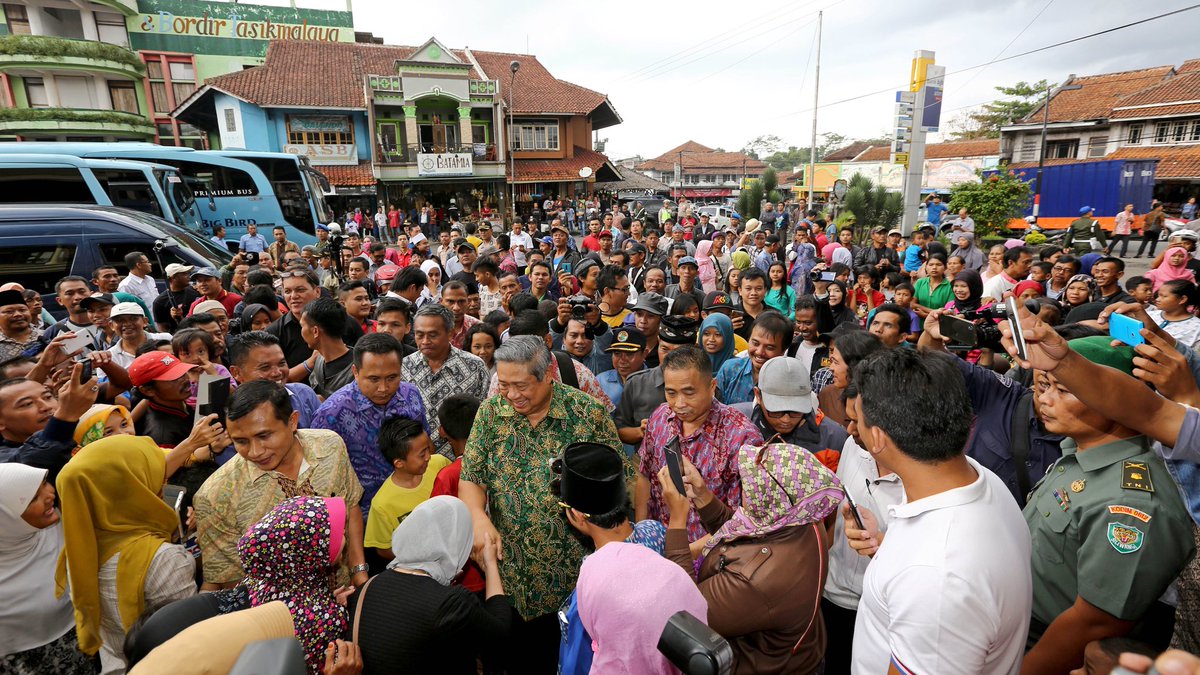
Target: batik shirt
x=512 y=459
x=357 y=420
x=462 y=373
x=458 y=337
x=588 y=383
x=712 y=449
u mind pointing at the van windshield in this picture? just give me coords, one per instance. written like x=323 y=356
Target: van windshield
x=22 y=185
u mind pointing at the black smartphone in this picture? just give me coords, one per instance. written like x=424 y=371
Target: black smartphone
x=85 y=370
x=960 y=331
x=212 y=396
x=674 y=461
x=854 y=509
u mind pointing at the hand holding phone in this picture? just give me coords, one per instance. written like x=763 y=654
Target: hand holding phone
x=853 y=508
x=674 y=462
x=1125 y=329
x=85 y=369
x=1018 y=333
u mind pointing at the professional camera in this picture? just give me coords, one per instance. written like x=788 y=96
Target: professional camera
x=977 y=329
x=580 y=306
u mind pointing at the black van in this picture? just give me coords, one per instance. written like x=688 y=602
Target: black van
x=40 y=244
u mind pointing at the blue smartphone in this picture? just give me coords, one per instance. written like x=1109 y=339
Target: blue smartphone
x=1125 y=329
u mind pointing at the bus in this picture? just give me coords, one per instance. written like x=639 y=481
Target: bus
x=232 y=192
x=157 y=189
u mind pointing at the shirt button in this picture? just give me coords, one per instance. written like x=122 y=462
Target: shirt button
x=1060 y=469
x=1047 y=514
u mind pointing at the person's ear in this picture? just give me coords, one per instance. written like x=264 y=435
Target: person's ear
x=236 y=373
x=294 y=421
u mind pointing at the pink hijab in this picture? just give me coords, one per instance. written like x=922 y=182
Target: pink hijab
x=625 y=614
x=1168 y=272
x=708 y=273
x=827 y=251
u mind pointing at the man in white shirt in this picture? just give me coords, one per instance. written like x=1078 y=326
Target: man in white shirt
x=520 y=242
x=949 y=590
x=963 y=223
x=129 y=322
x=1017 y=261
x=139 y=282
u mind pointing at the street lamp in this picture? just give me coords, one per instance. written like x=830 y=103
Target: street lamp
x=1037 y=183
x=514 y=66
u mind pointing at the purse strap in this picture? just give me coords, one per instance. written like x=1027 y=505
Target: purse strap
x=362 y=597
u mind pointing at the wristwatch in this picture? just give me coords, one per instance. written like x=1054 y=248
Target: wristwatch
x=359 y=568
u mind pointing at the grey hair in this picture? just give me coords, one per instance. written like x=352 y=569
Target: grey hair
x=528 y=350
x=439 y=311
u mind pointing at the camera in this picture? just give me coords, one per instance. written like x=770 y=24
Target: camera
x=977 y=329
x=580 y=306
x=821 y=275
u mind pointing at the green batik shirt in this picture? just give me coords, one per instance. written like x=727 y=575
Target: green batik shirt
x=512 y=458
x=1108 y=525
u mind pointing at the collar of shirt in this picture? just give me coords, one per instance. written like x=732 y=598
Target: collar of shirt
x=558 y=404
x=716 y=416
x=154 y=405
x=944 y=500
x=1101 y=456
x=310 y=457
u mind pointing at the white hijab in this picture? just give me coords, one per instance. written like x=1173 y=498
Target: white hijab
x=31 y=615
x=435 y=538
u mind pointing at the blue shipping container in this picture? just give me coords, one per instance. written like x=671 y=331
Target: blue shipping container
x=1105 y=185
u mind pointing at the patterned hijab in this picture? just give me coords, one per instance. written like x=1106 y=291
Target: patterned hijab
x=91 y=426
x=288 y=556
x=783 y=485
x=1093 y=288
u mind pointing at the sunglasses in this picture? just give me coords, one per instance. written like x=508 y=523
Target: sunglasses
x=294 y=273
x=778 y=414
x=758 y=461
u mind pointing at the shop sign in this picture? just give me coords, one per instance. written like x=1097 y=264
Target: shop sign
x=233 y=25
x=315 y=124
x=324 y=154
x=710 y=192
x=445 y=164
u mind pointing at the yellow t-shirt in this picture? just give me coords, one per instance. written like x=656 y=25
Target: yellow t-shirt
x=393 y=503
x=616 y=320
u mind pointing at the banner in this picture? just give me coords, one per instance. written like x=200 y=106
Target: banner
x=445 y=164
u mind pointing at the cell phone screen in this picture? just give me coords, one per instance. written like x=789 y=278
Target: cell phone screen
x=675 y=465
x=853 y=509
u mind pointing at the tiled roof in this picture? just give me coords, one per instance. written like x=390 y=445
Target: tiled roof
x=536 y=90
x=1188 y=66
x=985 y=147
x=555 y=170
x=633 y=180
x=1098 y=95
x=359 y=175
x=696 y=157
x=1181 y=161
x=286 y=78
x=1181 y=87
x=847 y=153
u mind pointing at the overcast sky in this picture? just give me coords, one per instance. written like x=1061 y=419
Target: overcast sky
x=721 y=73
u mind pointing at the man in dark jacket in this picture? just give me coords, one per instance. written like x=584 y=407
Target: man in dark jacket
x=24 y=436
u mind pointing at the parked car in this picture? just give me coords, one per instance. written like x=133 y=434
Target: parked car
x=721 y=216
x=40 y=244
x=648 y=213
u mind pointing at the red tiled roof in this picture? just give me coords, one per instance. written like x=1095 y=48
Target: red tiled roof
x=847 y=153
x=1182 y=161
x=535 y=89
x=696 y=157
x=1098 y=95
x=359 y=175
x=1188 y=66
x=1181 y=87
x=981 y=148
x=1157 y=111
x=556 y=170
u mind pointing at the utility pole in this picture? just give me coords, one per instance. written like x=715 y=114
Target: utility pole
x=1037 y=183
x=812 y=153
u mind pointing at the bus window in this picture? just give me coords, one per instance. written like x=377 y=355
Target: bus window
x=29 y=185
x=286 y=181
x=129 y=189
x=37 y=267
x=218 y=181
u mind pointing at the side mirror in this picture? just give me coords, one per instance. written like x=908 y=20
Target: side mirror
x=694 y=648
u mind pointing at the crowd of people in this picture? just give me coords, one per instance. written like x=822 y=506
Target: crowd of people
x=468 y=450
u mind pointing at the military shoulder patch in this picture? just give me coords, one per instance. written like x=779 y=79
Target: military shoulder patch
x=1125 y=538
x=1119 y=509
x=1136 y=476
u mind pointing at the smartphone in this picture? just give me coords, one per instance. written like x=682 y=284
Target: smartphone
x=81 y=341
x=85 y=371
x=1125 y=329
x=173 y=495
x=1018 y=333
x=251 y=257
x=212 y=394
x=565 y=267
x=959 y=330
x=854 y=509
x=675 y=464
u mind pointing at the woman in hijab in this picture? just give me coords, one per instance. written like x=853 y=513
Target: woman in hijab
x=769 y=553
x=416 y=622
x=433 y=286
x=968 y=292
x=256 y=317
x=625 y=613
x=37 y=630
x=803 y=256
x=705 y=263
x=1081 y=289
x=834 y=310
x=289 y=555
x=971 y=256
x=842 y=255
x=1028 y=290
x=716 y=337
x=1173 y=268
x=117 y=554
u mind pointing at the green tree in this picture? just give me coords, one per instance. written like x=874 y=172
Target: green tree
x=749 y=201
x=1020 y=100
x=786 y=160
x=994 y=202
x=872 y=205
x=770 y=180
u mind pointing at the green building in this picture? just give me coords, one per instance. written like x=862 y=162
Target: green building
x=115 y=69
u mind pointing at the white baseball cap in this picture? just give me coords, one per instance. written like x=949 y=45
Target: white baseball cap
x=176 y=268
x=126 y=309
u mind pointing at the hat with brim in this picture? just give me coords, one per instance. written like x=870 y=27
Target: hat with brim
x=1084 y=210
x=627 y=339
x=208 y=307
x=205 y=272
x=784 y=386
x=652 y=302
x=126 y=309
x=157 y=367
x=1099 y=350
x=688 y=260
x=593 y=479
x=752 y=225
x=717 y=300
x=561 y=228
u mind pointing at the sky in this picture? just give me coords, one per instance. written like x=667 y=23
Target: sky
x=722 y=73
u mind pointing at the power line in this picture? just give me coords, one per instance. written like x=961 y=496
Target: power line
x=756 y=52
x=1010 y=43
x=999 y=60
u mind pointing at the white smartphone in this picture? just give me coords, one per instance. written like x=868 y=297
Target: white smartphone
x=82 y=340
x=1010 y=310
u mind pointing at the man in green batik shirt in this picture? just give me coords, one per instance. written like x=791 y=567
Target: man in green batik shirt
x=506 y=466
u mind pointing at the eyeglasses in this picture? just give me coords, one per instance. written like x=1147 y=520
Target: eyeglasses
x=779 y=414
x=758 y=461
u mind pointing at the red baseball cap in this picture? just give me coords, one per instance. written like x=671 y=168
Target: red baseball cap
x=387 y=273
x=157 y=367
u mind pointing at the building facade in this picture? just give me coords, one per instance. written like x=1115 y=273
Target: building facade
x=699 y=172
x=945 y=164
x=115 y=69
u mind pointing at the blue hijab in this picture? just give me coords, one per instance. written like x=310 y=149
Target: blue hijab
x=725 y=327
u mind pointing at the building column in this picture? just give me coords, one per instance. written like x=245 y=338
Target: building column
x=412 y=137
x=51 y=84
x=464 y=126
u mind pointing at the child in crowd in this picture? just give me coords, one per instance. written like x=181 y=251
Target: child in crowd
x=903 y=296
x=415 y=465
x=1141 y=288
x=195 y=346
x=457 y=414
x=1040 y=271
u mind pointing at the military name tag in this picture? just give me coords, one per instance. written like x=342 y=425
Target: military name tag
x=1136 y=476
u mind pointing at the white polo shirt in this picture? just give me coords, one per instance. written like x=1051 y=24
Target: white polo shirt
x=950 y=590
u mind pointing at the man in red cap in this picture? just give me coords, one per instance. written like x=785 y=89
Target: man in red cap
x=163 y=380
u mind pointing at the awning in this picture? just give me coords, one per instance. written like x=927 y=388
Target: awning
x=564 y=170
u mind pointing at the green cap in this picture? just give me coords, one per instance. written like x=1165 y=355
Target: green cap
x=1099 y=349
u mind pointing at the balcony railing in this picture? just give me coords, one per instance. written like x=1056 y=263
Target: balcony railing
x=58 y=53
x=33 y=121
x=407 y=154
